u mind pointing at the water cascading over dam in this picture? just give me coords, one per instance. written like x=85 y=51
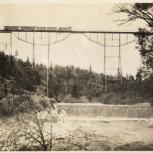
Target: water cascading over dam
x=102 y=110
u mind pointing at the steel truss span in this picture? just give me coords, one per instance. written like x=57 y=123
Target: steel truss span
x=9 y=29
x=12 y=30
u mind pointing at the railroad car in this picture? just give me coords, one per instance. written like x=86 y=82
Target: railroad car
x=11 y=27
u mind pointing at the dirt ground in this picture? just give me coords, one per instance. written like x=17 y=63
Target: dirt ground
x=77 y=133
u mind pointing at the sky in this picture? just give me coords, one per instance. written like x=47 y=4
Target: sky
x=76 y=50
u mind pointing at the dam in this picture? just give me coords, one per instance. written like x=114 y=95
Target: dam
x=103 y=110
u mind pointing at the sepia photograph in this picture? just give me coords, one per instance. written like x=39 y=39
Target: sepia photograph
x=76 y=75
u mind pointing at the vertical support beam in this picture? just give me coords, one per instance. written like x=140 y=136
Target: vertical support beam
x=48 y=65
x=26 y=36
x=105 y=75
x=90 y=35
x=18 y=35
x=97 y=38
x=56 y=37
x=10 y=43
x=141 y=63
x=119 y=60
x=112 y=39
x=41 y=35
x=127 y=38
x=33 y=53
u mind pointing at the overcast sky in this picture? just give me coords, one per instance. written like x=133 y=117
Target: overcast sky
x=76 y=49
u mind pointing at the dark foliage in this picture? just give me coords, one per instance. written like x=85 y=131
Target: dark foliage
x=21 y=72
x=73 y=81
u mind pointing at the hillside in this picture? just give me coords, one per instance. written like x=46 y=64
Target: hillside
x=67 y=84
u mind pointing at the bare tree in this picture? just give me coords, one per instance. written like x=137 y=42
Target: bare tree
x=137 y=11
x=33 y=128
x=143 y=12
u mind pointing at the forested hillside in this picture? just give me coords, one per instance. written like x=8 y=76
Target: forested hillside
x=71 y=84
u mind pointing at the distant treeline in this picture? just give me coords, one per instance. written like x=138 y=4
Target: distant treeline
x=73 y=81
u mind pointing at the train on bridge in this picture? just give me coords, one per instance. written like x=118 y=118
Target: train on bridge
x=35 y=28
